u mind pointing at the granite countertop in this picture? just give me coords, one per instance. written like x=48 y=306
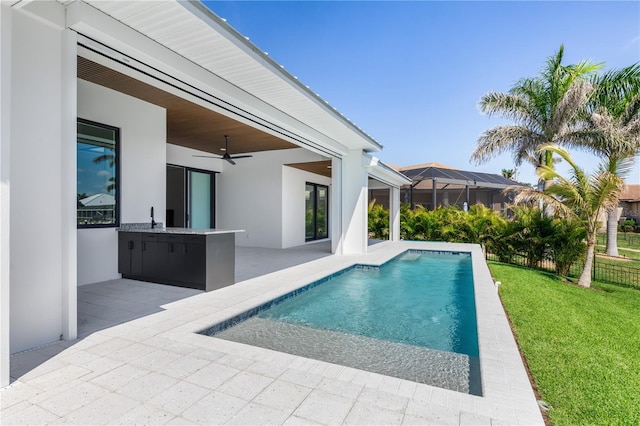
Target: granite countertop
x=185 y=231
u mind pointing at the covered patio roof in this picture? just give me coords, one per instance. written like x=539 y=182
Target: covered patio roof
x=187 y=45
x=457 y=177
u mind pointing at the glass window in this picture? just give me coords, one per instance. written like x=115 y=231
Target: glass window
x=316 y=212
x=97 y=171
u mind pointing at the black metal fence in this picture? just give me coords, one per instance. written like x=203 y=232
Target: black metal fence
x=625 y=273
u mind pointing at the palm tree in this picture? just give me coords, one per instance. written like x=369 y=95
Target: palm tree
x=581 y=196
x=544 y=110
x=109 y=158
x=508 y=173
x=612 y=129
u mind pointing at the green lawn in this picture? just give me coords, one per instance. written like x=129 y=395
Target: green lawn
x=582 y=345
x=631 y=254
x=625 y=240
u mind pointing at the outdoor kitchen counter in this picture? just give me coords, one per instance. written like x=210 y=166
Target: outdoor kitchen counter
x=203 y=259
x=185 y=231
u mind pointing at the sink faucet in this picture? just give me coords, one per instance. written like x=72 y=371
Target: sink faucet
x=153 y=222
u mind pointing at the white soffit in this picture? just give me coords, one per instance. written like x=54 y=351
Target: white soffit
x=195 y=33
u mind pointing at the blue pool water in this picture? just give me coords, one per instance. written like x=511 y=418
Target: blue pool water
x=412 y=318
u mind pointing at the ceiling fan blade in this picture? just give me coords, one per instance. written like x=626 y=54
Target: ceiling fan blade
x=230 y=160
x=207 y=156
x=241 y=156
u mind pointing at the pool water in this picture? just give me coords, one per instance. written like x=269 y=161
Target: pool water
x=412 y=318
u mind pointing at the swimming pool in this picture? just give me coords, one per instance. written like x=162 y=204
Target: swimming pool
x=413 y=318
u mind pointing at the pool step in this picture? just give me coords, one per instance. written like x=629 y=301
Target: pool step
x=448 y=370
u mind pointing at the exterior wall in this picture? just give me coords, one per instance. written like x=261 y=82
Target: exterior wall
x=250 y=196
x=181 y=156
x=36 y=209
x=143 y=154
x=5 y=178
x=293 y=204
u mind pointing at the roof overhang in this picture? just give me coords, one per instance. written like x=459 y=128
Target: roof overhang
x=185 y=42
x=383 y=173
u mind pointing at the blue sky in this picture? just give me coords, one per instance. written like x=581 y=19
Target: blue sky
x=411 y=73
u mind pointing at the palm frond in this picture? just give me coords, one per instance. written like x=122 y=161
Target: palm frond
x=569 y=107
x=506 y=105
x=501 y=139
x=528 y=195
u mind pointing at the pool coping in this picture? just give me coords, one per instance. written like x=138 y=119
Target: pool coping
x=507 y=393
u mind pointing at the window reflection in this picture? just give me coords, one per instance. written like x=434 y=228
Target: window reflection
x=97 y=175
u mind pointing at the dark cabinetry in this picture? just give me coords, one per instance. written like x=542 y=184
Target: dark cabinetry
x=203 y=262
x=130 y=254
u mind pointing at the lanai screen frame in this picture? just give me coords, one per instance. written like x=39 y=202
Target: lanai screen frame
x=454 y=177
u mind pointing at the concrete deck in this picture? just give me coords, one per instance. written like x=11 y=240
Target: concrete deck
x=140 y=361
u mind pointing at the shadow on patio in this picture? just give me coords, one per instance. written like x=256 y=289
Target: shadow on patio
x=110 y=303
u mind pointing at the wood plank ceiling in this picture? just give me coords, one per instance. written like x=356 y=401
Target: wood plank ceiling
x=322 y=168
x=188 y=124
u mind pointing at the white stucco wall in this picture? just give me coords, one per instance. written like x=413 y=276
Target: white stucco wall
x=250 y=196
x=181 y=156
x=5 y=187
x=143 y=158
x=293 y=204
x=35 y=176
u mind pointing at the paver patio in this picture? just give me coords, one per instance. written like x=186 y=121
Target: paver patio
x=139 y=360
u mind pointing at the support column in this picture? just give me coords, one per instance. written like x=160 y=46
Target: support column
x=5 y=180
x=394 y=214
x=68 y=185
x=434 y=198
x=354 y=203
x=411 y=195
x=336 y=206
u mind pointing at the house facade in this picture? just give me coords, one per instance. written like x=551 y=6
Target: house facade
x=112 y=110
x=629 y=204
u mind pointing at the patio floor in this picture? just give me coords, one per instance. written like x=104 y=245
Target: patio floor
x=139 y=361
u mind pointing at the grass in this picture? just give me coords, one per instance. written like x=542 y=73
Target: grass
x=626 y=253
x=625 y=240
x=582 y=345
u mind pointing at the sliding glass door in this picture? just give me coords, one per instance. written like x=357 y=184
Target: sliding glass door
x=190 y=197
x=316 y=212
x=200 y=195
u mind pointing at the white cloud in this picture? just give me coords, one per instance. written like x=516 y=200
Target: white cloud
x=103 y=173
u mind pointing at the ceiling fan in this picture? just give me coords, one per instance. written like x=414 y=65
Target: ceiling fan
x=226 y=156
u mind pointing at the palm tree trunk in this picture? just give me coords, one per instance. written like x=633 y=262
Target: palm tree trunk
x=585 y=277
x=612 y=233
x=548 y=161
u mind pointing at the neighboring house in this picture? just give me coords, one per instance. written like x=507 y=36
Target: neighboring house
x=434 y=185
x=121 y=96
x=628 y=207
x=97 y=209
x=629 y=204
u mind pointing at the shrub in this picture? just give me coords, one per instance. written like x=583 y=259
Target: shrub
x=628 y=225
x=378 y=226
x=533 y=232
x=530 y=233
x=567 y=245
